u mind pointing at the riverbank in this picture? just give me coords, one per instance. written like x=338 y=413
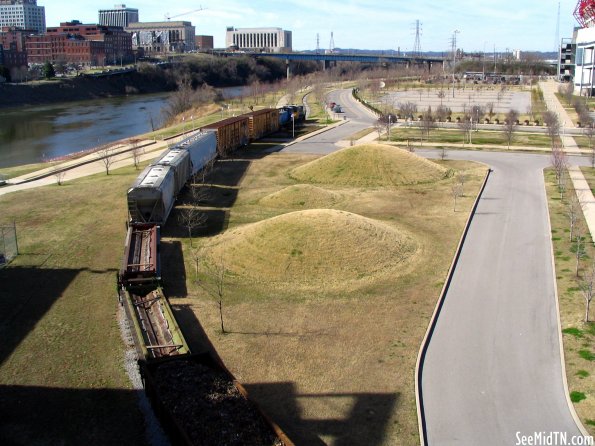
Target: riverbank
x=81 y=88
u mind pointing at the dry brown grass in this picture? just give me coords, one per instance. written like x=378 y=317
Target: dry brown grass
x=318 y=249
x=329 y=364
x=301 y=195
x=370 y=165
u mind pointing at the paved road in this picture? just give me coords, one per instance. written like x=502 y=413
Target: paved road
x=493 y=368
x=357 y=119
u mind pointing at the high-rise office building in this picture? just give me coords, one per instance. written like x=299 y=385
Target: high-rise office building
x=119 y=16
x=22 y=14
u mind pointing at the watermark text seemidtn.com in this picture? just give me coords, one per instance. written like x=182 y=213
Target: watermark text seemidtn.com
x=553 y=439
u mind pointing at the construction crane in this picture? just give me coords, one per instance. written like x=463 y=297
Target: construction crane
x=169 y=17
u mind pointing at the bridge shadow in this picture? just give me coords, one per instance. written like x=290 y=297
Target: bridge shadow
x=35 y=415
x=26 y=295
x=366 y=423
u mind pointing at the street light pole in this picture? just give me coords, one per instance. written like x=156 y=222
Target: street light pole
x=454 y=58
x=292 y=126
x=389 y=119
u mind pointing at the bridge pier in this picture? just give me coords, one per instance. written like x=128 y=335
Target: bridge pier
x=288 y=69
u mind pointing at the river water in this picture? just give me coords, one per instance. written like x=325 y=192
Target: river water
x=34 y=134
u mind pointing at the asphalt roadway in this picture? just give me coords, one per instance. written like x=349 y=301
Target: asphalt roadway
x=492 y=368
x=492 y=372
x=356 y=118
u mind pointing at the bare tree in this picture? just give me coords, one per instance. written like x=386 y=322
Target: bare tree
x=379 y=126
x=427 y=123
x=490 y=108
x=443 y=153
x=191 y=217
x=136 y=151
x=590 y=134
x=465 y=125
x=441 y=95
x=573 y=209
x=107 y=157
x=579 y=245
x=456 y=191
x=59 y=174
x=214 y=284
x=553 y=126
x=462 y=178
x=477 y=111
x=510 y=124
x=442 y=113
x=560 y=163
x=587 y=286
x=407 y=109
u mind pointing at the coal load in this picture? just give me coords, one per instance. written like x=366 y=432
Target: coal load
x=210 y=408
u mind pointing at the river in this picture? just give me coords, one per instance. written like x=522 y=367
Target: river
x=34 y=134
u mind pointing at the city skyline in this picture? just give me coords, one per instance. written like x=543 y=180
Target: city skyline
x=530 y=26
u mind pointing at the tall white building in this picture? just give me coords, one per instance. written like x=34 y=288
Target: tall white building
x=274 y=40
x=119 y=16
x=584 y=83
x=22 y=14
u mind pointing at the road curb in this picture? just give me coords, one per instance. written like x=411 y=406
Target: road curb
x=575 y=416
x=421 y=420
x=317 y=132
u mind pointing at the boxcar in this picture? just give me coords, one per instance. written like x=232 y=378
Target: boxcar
x=232 y=133
x=263 y=122
x=152 y=196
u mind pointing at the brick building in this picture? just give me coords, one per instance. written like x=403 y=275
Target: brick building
x=13 y=46
x=83 y=44
x=204 y=43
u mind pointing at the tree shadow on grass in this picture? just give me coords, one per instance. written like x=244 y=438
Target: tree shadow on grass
x=26 y=295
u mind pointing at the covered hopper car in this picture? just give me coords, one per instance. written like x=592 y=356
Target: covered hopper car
x=152 y=196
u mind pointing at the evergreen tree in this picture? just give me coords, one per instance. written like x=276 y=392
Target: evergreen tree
x=48 y=70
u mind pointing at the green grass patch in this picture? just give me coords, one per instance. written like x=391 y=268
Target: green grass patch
x=578 y=336
x=577 y=397
x=573 y=331
x=582 y=373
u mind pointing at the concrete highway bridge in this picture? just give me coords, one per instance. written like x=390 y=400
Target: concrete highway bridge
x=332 y=58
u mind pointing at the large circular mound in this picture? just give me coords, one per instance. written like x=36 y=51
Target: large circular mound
x=320 y=247
x=301 y=195
x=370 y=165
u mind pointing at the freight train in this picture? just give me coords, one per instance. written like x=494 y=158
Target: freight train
x=166 y=361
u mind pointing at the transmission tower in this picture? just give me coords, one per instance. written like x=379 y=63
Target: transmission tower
x=557 y=37
x=332 y=44
x=417 y=44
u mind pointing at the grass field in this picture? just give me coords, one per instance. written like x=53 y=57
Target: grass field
x=328 y=291
x=578 y=336
x=61 y=374
x=477 y=138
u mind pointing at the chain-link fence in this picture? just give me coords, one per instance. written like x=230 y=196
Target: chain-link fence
x=9 y=246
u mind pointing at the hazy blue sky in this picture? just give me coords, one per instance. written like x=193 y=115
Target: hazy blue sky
x=365 y=24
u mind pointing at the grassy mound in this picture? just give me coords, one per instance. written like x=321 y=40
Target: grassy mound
x=370 y=165
x=301 y=195
x=324 y=247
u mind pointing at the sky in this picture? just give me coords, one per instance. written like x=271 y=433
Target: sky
x=362 y=24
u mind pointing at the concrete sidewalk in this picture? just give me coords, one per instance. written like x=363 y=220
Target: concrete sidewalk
x=580 y=184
